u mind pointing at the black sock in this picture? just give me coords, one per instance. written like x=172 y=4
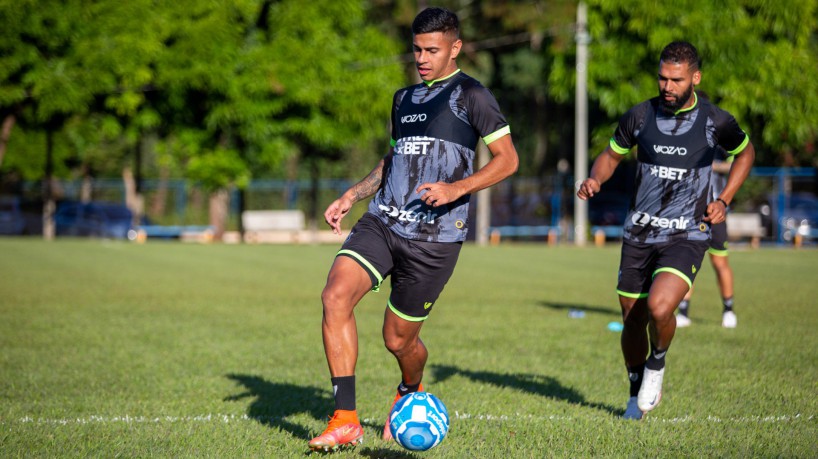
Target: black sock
x=343 y=387
x=635 y=378
x=728 y=304
x=404 y=388
x=683 y=307
x=656 y=360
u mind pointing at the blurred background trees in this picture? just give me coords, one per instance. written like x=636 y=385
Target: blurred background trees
x=221 y=93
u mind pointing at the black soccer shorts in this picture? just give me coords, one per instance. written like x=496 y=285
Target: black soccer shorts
x=641 y=262
x=418 y=270
x=718 y=241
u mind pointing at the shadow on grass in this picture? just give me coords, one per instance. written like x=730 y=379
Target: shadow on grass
x=610 y=311
x=545 y=386
x=386 y=453
x=273 y=402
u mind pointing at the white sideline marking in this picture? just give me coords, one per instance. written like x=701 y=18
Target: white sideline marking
x=227 y=418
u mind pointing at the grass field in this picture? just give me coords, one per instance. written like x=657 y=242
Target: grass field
x=172 y=350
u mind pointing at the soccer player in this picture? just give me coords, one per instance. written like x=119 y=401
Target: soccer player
x=668 y=227
x=418 y=219
x=718 y=252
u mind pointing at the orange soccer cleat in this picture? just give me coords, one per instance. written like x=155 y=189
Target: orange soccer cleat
x=344 y=429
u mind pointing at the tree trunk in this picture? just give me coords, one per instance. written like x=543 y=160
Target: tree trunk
x=133 y=199
x=49 y=205
x=160 y=196
x=219 y=206
x=5 y=134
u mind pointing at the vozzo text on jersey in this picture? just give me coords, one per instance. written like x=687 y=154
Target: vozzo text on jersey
x=670 y=150
x=413 y=118
x=409 y=215
x=645 y=219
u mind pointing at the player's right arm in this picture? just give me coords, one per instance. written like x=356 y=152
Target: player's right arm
x=619 y=146
x=361 y=190
x=601 y=171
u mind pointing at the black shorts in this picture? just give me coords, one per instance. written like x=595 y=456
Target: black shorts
x=640 y=263
x=718 y=241
x=419 y=270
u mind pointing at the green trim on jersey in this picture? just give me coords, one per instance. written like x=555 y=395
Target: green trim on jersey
x=676 y=272
x=631 y=295
x=617 y=148
x=392 y=142
x=404 y=316
x=741 y=147
x=716 y=252
x=695 y=104
x=497 y=134
x=368 y=265
x=429 y=83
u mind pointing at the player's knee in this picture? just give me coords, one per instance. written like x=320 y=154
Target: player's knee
x=399 y=345
x=335 y=301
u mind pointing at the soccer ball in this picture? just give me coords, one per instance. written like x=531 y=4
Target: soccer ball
x=419 y=421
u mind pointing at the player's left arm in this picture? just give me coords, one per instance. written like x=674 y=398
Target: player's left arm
x=739 y=171
x=503 y=164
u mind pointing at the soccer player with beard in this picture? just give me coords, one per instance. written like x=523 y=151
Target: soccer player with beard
x=667 y=230
x=417 y=219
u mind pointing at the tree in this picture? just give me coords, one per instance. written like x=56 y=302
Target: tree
x=758 y=58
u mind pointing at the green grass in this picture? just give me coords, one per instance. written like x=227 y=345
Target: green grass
x=172 y=350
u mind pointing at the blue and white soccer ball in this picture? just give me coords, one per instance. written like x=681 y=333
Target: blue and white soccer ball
x=419 y=421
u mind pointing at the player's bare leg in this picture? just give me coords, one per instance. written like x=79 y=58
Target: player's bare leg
x=634 y=343
x=724 y=275
x=346 y=284
x=666 y=292
x=402 y=339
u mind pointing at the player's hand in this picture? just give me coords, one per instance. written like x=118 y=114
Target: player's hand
x=439 y=194
x=336 y=212
x=588 y=188
x=716 y=213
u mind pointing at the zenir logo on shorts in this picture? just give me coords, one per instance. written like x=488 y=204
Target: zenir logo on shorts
x=427 y=305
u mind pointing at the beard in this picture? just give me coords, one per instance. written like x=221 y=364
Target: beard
x=671 y=107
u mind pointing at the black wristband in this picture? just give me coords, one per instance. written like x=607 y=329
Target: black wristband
x=722 y=201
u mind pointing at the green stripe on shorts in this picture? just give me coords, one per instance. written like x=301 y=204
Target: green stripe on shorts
x=368 y=265
x=676 y=272
x=404 y=316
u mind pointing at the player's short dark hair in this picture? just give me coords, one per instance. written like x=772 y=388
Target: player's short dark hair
x=681 y=52
x=436 y=20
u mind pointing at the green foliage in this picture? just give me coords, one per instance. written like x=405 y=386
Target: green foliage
x=758 y=60
x=188 y=350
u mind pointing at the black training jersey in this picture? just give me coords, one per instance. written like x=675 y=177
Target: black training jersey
x=719 y=181
x=675 y=155
x=435 y=129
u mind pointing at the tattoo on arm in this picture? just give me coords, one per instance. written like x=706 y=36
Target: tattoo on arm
x=369 y=185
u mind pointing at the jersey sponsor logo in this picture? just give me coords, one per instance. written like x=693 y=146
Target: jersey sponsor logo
x=414 y=145
x=413 y=118
x=670 y=150
x=670 y=173
x=408 y=215
x=645 y=219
